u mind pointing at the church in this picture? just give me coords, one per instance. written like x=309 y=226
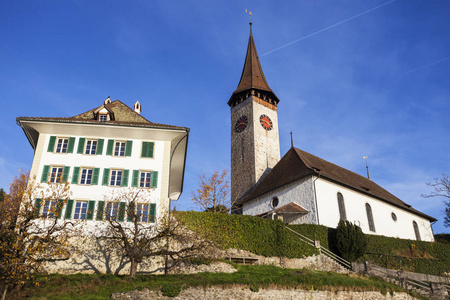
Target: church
x=301 y=187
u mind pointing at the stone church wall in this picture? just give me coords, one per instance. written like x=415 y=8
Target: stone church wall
x=301 y=192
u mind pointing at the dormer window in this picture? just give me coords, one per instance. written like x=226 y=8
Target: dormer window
x=103 y=118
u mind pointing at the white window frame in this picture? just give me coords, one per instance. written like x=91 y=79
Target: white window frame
x=146 y=181
x=80 y=212
x=142 y=212
x=56 y=173
x=119 y=148
x=112 y=210
x=86 y=176
x=49 y=209
x=113 y=177
x=103 y=117
x=90 y=148
x=62 y=144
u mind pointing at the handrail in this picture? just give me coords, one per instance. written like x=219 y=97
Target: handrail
x=323 y=250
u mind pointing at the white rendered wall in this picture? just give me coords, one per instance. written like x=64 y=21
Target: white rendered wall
x=300 y=192
x=355 y=207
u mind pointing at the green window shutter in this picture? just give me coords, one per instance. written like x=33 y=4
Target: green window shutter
x=44 y=176
x=130 y=212
x=128 y=148
x=95 y=176
x=51 y=144
x=69 y=207
x=80 y=149
x=76 y=172
x=90 y=210
x=152 y=213
x=135 y=181
x=109 y=148
x=125 y=175
x=147 y=149
x=59 y=206
x=71 y=145
x=105 y=177
x=100 y=146
x=37 y=207
x=121 y=214
x=154 y=179
x=100 y=208
x=65 y=175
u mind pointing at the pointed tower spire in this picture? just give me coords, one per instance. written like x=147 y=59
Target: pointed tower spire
x=252 y=80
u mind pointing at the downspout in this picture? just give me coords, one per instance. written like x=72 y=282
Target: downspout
x=315 y=199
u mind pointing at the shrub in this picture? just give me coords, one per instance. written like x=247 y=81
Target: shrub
x=351 y=241
x=171 y=290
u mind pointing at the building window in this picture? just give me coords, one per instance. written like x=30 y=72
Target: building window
x=112 y=209
x=394 y=217
x=144 y=180
x=56 y=174
x=80 y=210
x=49 y=209
x=370 y=217
x=119 y=149
x=142 y=212
x=342 y=213
x=416 y=231
x=91 y=147
x=103 y=117
x=147 y=149
x=116 y=178
x=274 y=202
x=61 y=145
x=86 y=176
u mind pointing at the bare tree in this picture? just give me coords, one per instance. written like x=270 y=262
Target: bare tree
x=134 y=231
x=441 y=189
x=213 y=194
x=34 y=233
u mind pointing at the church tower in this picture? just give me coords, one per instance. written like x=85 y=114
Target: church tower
x=255 y=146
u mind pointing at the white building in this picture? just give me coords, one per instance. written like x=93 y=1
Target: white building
x=303 y=188
x=104 y=149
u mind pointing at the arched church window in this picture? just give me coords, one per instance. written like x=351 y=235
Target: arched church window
x=342 y=214
x=416 y=231
x=274 y=202
x=370 y=217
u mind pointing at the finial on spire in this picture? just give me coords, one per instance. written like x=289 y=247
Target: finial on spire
x=367 y=167
x=250 y=13
x=292 y=141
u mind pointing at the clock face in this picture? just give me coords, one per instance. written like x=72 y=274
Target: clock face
x=241 y=124
x=266 y=122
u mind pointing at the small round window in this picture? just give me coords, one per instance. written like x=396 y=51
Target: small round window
x=274 y=202
x=394 y=217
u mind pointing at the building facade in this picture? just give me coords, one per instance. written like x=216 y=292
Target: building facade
x=303 y=188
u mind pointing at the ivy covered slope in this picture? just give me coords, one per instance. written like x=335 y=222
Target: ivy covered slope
x=392 y=253
x=260 y=236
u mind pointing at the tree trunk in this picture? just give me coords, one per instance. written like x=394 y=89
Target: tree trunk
x=133 y=268
x=4 y=292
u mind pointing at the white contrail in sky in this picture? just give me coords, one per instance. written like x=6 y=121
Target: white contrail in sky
x=426 y=66
x=329 y=27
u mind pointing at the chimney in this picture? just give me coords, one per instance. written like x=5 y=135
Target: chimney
x=137 y=107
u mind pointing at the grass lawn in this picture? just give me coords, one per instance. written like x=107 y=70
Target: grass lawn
x=101 y=286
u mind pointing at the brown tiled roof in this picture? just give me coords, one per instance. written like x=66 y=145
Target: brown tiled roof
x=123 y=115
x=252 y=77
x=288 y=208
x=297 y=164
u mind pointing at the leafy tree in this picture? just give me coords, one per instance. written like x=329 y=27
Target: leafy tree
x=351 y=241
x=28 y=238
x=213 y=194
x=442 y=189
x=136 y=235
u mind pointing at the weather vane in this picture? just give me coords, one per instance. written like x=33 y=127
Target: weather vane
x=250 y=13
x=367 y=167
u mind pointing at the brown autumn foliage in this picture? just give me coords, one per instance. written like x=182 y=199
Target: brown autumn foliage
x=28 y=238
x=213 y=193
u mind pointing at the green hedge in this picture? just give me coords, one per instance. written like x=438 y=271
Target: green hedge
x=260 y=236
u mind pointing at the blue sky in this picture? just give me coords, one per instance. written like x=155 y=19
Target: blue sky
x=355 y=78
